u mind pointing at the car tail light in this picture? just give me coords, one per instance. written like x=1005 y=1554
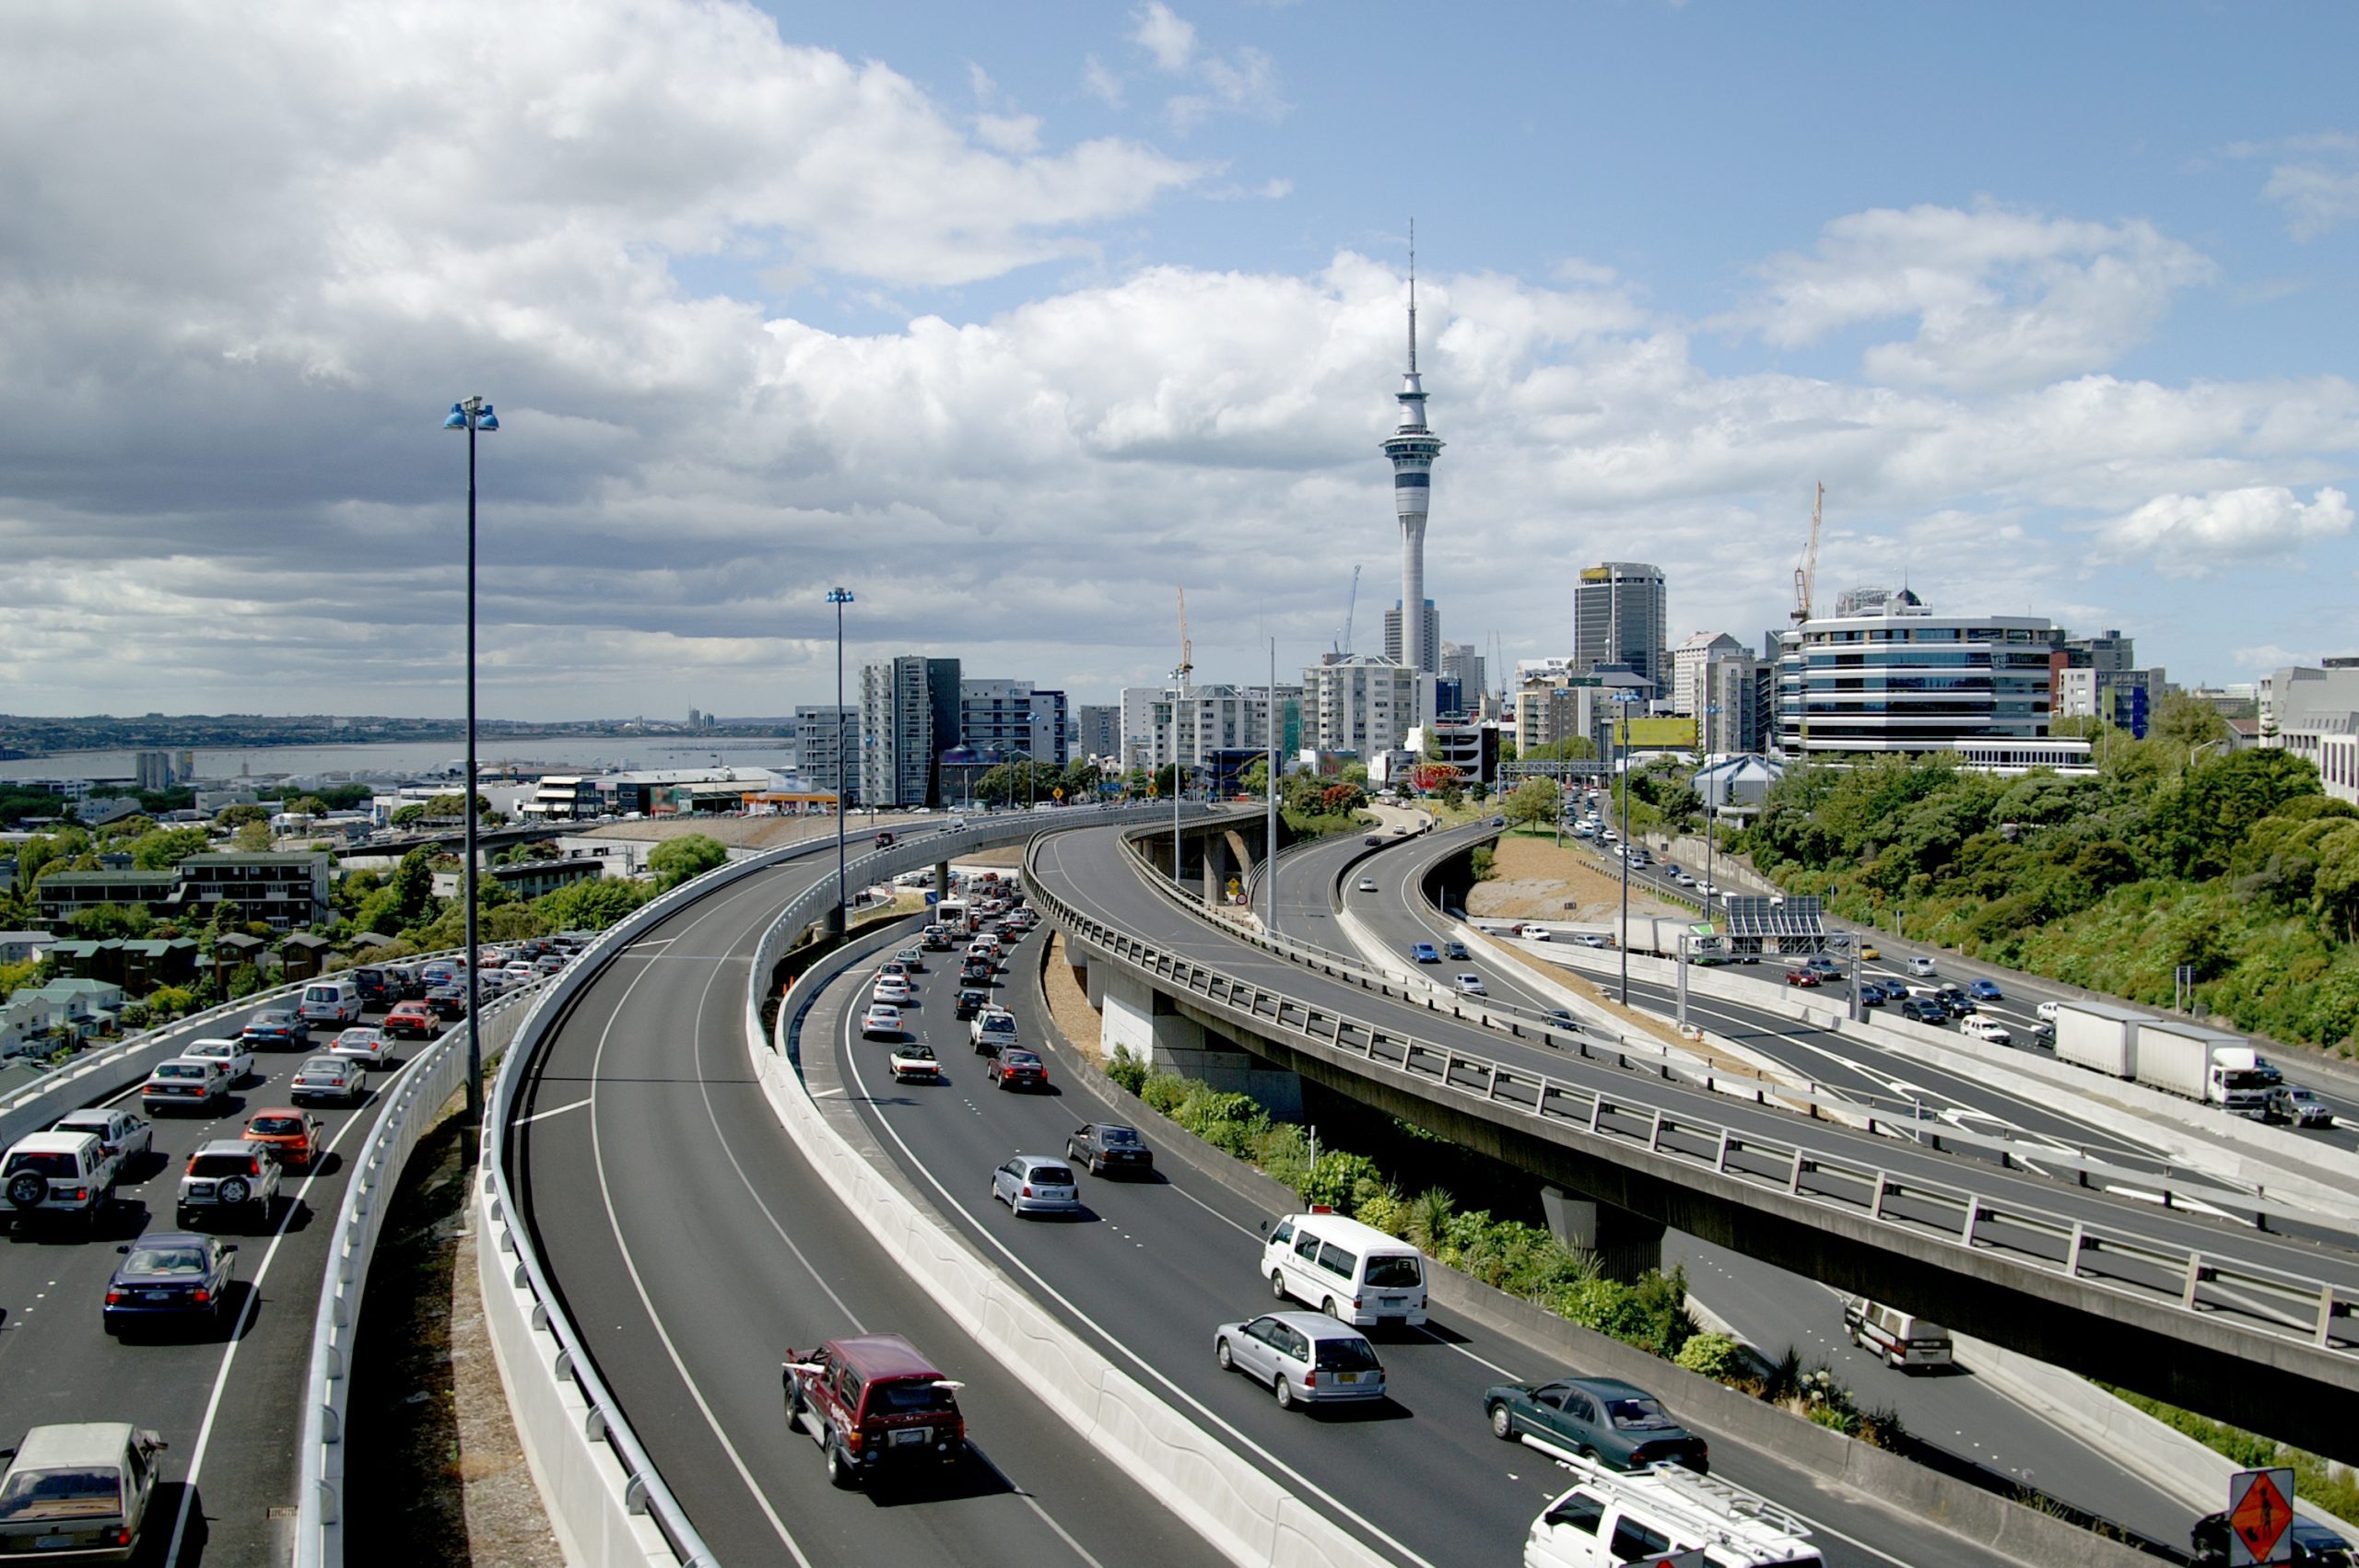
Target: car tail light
x=1310 y=1378
x=81 y=1193
x=115 y=1298
x=853 y=1438
x=1028 y=1192
x=122 y=1535
x=203 y=1295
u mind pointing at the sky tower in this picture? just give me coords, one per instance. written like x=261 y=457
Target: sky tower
x=1413 y=448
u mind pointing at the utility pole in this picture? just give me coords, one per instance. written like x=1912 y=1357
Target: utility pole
x=1622 y=702
x=1269 y=823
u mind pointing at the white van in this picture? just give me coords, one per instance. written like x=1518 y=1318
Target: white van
x=335 y=999
x=1648 y=1515
x=1905 y=1342
x=1352 y=1272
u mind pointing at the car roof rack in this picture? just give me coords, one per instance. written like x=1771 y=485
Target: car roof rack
x=1717 y=1510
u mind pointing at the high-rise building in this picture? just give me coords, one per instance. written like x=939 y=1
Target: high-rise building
x=1359 y=704
x=1897 y=677
x=1687 y=661
x=827 y=738
x=1212 y=719
x=1412 y=448
x=1097 y=729
x=155 y=770
x=908 y=717
x=1731 y=704
x=1012 y=717
x=1619 y=619
x=2314 y=713
x=1462 y=662
x=1430 y=639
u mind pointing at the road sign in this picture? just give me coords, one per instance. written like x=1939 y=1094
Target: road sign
x=2260 y=1517
x=1058 y=794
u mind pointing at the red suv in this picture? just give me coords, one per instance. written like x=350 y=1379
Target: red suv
x=873 y=1404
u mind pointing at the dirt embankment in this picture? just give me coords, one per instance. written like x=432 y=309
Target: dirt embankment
x=1534 y=880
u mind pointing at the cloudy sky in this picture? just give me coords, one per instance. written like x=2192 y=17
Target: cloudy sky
x=1012 y=319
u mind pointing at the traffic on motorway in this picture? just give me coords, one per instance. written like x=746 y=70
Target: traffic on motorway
x=1247 y=1318
x=164 y=1248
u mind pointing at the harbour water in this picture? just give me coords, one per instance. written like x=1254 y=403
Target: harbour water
x=431 y=759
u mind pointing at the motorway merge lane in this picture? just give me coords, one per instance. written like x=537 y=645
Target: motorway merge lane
x=1149 y=1268
x=229 y=1404
x=696 y=1250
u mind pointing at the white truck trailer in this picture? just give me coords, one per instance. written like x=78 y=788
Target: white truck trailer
x=2099 y=1036
x=2201 y=1063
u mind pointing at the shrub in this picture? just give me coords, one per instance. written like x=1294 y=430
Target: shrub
x=1716 y=1356
x=1127 y=1070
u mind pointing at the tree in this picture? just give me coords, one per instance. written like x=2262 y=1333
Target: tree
x=1354 y=773
x=409 y=815
x=307 y=806
x=675 y=861
x=1255 y=779
x=108 y=920
x=240 y=815
x=1534 y=800
x=164 y=848
x=253 y=838
x=592 y=905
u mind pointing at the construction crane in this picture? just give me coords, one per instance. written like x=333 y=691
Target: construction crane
x=1187 y=651
x=1805 y=582
x=1351 y=611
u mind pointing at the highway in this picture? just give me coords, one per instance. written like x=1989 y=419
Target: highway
x=1771 y=1307
x=696 y=1250
x=1152 y=1267
x=230 y=1403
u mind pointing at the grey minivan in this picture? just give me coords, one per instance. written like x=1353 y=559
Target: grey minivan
x=1305 y=1357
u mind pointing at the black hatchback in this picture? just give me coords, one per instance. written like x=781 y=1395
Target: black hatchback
x=971 y=1001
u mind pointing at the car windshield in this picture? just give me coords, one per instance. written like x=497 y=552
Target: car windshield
x=277 y=1126
x=322 y=1067
x=1116 y=1136
x=77 y=1492
x=1640 y=1413
x=164 y=1261
x=46 y=1164
x=1354 y=1354
x=220 y=1166
x=357 y=1037
x=907 y=1397
x=1393 y=1273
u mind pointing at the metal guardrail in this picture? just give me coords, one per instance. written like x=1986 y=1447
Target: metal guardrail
x=432 y=1077
x=2246 y=1297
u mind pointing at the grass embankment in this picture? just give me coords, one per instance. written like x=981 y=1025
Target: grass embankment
x=2334 y=1489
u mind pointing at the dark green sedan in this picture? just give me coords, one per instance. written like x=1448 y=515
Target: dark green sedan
x=1617 y=1424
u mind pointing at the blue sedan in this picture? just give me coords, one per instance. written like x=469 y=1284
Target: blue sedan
x=1425 y=953
x=169 y=1276
x=1986 y=991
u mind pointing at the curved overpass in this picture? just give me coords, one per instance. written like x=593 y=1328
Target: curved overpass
x=1872 y=1213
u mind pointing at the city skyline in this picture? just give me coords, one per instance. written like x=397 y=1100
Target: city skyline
x=1085 y=303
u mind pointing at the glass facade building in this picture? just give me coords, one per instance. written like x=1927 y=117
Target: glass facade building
x=1899 y=678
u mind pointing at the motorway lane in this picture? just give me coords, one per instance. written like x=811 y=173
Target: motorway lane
x=1152 y=1267
x=230 y=1403
x=1090 y=871
x=1773 y=1308
x=695 y=1249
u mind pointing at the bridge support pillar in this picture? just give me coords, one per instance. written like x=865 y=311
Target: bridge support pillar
x=941 y=880
x=1151 y=1027
x=1216 y=854
x=1624 y=1244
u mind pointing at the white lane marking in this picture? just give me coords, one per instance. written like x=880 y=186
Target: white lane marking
x=236 y=1335
x=647 y=1304
x=851 y=1061
x=544 y=1116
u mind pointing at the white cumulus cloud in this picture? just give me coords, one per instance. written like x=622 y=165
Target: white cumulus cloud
x=2204 y=535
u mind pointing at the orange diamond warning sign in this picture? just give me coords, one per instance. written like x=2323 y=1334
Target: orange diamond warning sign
x=2261 y=1516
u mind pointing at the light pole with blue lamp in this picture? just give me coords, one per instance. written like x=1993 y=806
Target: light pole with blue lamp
x=840 y=597
x=474 y=414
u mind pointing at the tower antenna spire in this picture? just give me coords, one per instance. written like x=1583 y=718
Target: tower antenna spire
x=1412 y=296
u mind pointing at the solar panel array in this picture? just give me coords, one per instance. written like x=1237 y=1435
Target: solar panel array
x=1756 y=916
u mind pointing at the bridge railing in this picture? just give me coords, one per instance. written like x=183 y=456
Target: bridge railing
x=2247 y=1298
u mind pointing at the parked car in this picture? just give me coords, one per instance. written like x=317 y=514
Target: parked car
x=1033 y=1183
x=236 y=1057
x=296 y=1139
x=1305 y=1357
x=123 y=1137
x=1425 y=953
x=58 y=1175
x=78 y=1493
x=230 y=1175
x=167 y=1277
x=881 y=1022
x=873 y=1404
x=364 y=1048
x=1012 y=1069
x=185 y=1083
x=1103 y=1146
x=325 y=1078
x=2293 y=1103
x=277 y=1029
x=1986 y=991
x=412 y=1021
x=1618 y=1424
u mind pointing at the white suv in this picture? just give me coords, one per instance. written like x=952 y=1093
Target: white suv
x=1920 y=966
x=1989 y=1029
x=229 y=1174
x=59 y=1173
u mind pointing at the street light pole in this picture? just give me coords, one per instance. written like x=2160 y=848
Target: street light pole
x=1620 y=754
x=1179 y=695
x=840 y=597
x=474 y=414
x=1270 y=821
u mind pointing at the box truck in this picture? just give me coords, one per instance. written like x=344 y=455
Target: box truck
x=2099 y=1036
x=2200 y=1063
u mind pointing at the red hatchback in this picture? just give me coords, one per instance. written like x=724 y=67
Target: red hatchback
x=412 y=1021
x=873 y=1403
